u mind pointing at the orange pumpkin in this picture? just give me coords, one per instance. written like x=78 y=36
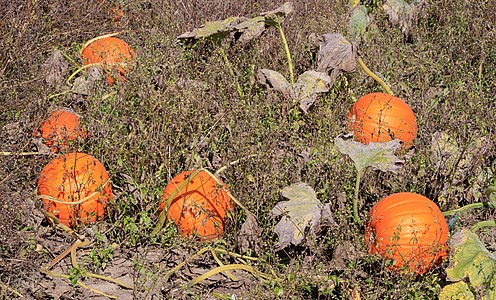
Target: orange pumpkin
x=75 y=178
x=408 y=229
x=112 y=54
x=379 y=117
x=60 y=129
x=200 y=208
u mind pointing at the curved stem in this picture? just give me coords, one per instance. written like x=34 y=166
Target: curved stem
x=288 y=54
x=482 y=224
x=375 y=77
x=466 y=207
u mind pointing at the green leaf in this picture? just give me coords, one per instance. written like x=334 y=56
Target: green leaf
x=471 y=259
x=455 y=291
x=359 y=22
x=379 y=156
x=302 y=209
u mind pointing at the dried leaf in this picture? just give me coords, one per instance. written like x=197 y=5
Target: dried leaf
x=336 y=54
x=302 y=209
x=471 y=259
x=403 y=15
x=379 y=156
x=55 y=69
x=276 y=16
x=275 y=80
x=249 y=29
x=214 y=31
x=249 y=235
x=359 y=21
x=308 y=85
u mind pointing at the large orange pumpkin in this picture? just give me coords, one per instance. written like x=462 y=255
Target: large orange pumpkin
x=112 y=54
x=75 y=178
x=379 y=117
x=408 y=229
x=60 y=130
x=200 y=208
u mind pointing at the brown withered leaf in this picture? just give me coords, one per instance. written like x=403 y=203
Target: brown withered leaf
x=249 y=235
x=403 y=15
x=336 y=54
x=55 y=69
x=308 y=85
x=276 y=81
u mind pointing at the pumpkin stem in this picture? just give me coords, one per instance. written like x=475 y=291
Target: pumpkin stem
x=286 y=49
x=231 y=71
x=482 y=224
x=375 y=77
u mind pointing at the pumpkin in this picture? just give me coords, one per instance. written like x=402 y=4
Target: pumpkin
x=112 y=54
x=379 y=117
x=60 y=129
x=408 y=229
x=75 y=188
x=200 y=207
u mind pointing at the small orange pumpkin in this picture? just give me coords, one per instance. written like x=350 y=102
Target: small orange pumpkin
x=112 y=54
x=408 y=229
x=379 y=117
x=60 y=129
x=75 y=177
x=200 y=208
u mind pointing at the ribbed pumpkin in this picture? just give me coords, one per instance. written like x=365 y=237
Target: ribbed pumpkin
x=60 y=129
x=379 y=117
x=112 y=54
x=75 y=178
x=408 y=229
x=200 y=207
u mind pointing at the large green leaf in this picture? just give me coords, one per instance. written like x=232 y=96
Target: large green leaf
x=359 y=21
x=455 y=291
x=471 y=259
x=379 y=156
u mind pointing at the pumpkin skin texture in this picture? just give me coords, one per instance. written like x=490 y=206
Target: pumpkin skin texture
x=72 y=178
x=113 y=54
x=408 y=229
x=200 y=208
x=60 y=130
x=379 y=117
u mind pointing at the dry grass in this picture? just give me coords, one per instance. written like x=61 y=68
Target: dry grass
x=156 y=126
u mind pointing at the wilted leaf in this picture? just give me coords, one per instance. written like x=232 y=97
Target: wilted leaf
x=359 y=21
x=55 y=69
x=471 y=259
x=214 y=31
x=84 y=86
x=276 y=16
x=302 y=209
x=249 y=29
x=249 y=235
x=379 y=156
x=458 y=290
x=403 y=15
x=308 y=85
x=336 y=54
x=275 y=80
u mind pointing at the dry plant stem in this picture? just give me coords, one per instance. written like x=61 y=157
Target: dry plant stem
x=223 y=168
x=228 y=274
x=483 y=224
x=75 y=202
x=3 y=286
x=288 y=54
x=226 y=268
x=98 y=38
x=23 y=153
x=231 y=71
x=81 y=69
x=78 y=282
x=163 y=214
x=179 y=266
x=386 y=88
x=59 y=94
